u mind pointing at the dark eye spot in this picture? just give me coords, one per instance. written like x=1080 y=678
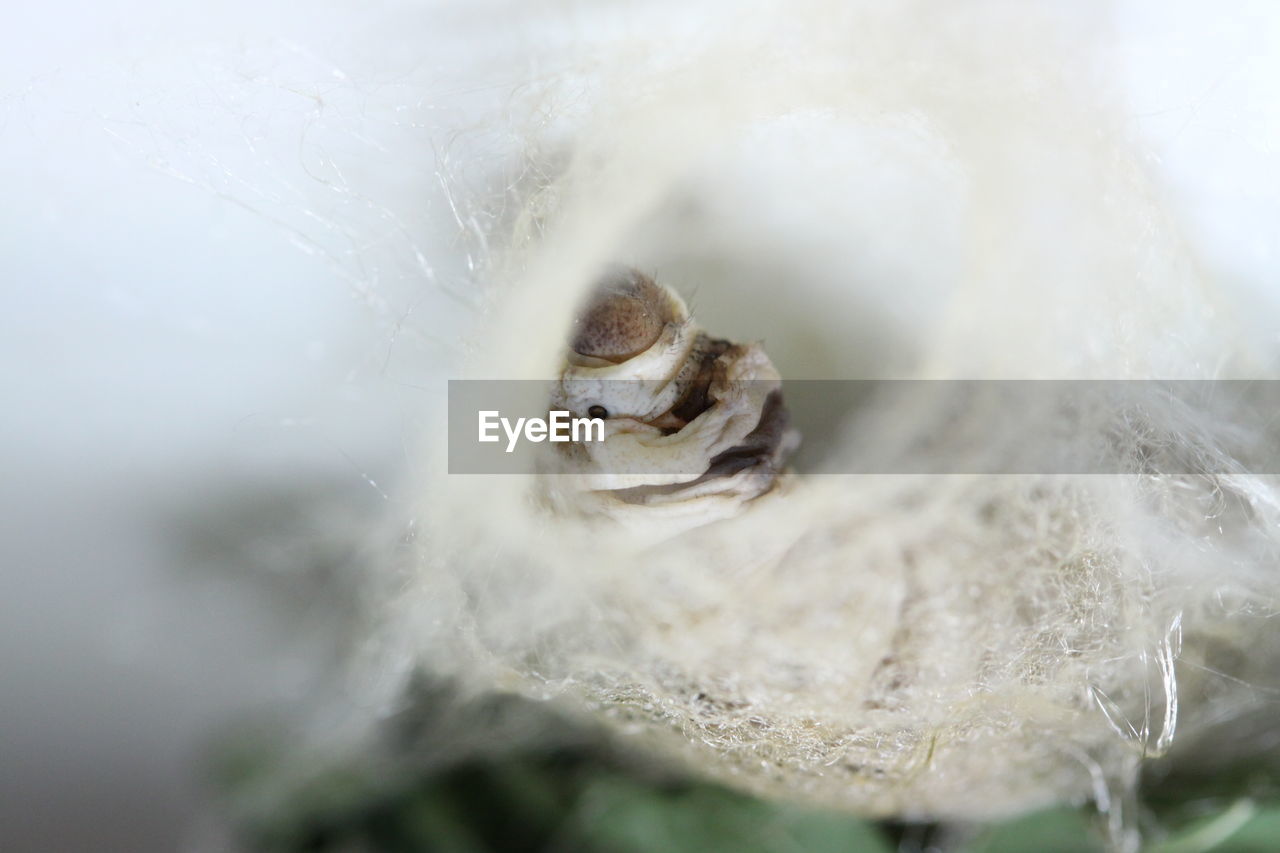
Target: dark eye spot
x=598 y=412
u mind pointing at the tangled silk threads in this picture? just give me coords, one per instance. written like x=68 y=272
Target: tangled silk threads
x=877 y=192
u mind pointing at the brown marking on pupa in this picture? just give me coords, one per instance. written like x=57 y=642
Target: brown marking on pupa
x=624 y=316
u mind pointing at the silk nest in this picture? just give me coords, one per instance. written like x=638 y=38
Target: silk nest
x=874 y=191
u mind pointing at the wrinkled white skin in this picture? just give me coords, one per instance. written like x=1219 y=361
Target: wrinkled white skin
x=635 y=453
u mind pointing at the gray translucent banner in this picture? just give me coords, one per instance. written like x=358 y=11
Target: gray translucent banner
x=1157 y=427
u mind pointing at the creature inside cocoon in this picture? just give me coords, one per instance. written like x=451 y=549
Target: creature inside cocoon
x=863 y=192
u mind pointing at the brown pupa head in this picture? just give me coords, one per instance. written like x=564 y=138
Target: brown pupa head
x=623 y=317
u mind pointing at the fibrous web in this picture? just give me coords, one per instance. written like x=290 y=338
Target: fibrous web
x=878 y=193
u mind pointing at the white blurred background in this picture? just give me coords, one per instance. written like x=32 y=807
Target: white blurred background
x=234 y=250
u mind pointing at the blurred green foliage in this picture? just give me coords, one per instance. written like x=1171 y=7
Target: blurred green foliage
x=575 y=792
